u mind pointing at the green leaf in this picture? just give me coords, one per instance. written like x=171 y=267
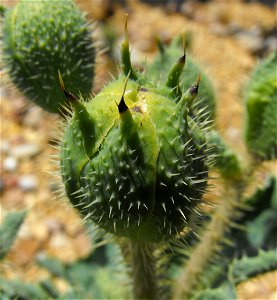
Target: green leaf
x=225 y=291
x=248 y=267
x=15 y=289
x=9 y=230
x=261 y=234
x=99 y=275
x=261 y=110
x=263 y=230
x=53 y=265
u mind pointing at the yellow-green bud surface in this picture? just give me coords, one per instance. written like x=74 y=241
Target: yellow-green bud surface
x=134 y=165
x=133 y=160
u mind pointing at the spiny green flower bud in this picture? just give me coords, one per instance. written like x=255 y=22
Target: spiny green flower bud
x=132 y=160
x=40 y=37
x=261 y=109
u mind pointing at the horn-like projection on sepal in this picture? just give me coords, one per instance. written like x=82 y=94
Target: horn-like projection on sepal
x=158 y=71
x=174 y=76
x=125 y=56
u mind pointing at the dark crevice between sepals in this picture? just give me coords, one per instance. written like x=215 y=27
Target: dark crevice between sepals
x=122 y=107
x=128 y=126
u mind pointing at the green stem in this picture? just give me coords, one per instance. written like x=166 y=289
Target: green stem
x=210 y=241
x=143 y=270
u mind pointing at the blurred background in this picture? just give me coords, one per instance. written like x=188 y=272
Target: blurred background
x=227 y=38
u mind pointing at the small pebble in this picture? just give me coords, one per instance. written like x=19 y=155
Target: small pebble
x=5 y=146
x=233 y=133
x=10 y=164
x=271 y=43
x=10 y=181
x=219 y=29
x=251 y=40
x=25 y=150
x=53 y=225
x=3 y=92
x=27 y=183
x=33 y=117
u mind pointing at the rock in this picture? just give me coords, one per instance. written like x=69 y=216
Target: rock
x=3 y=92
x=25 y=150
x=33 y=117
x=24 y=250
x=5 y=146
x=10 y=181
x=54 y=226
x=252 y=40
x=27 y=182
x=219 y=29
x=13 y=198
x=187 y=8
x=271 y=44
x=233 y=27
x=10 y=164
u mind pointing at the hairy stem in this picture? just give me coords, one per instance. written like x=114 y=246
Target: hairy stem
x=210 y=241
x=143 y=270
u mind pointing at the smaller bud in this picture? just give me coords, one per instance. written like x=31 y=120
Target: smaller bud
x=40 y=37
